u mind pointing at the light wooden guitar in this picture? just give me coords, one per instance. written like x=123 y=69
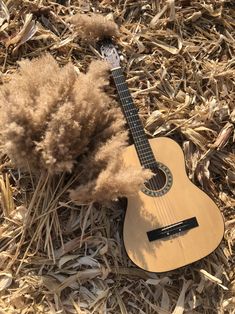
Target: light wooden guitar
x=170 y=222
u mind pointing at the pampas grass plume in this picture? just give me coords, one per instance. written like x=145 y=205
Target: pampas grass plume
x=93 y=26
x=55 y=120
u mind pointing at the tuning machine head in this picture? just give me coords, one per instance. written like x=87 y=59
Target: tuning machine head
x=109 y=52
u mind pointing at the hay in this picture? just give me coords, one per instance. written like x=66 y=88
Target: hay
x=57 y=257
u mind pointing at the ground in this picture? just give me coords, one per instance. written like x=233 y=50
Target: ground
x=178 y=57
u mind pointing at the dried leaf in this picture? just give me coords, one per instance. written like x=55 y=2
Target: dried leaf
x=121 y=304
x=231 y=176
x=4 y=13
x=165 y=301
x=80 y=275
x=171 y=4
x=223 y=136
x=169 y=48
x=5 y=280
x=7 y=200
x=26 y=33
x=19 y=214
x=156 y=18
x=213 y=278
x=86 y=261
x=154 y=282
x=180 y=306
x=66 y=259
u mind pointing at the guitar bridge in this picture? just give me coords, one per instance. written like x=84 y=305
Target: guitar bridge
x=177 y=227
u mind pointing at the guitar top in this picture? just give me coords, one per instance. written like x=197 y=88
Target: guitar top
x=170 y=222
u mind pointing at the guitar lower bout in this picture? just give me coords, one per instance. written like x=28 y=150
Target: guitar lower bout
x=172 y=223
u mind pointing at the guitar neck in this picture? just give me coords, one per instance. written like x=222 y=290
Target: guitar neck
x=140 y=140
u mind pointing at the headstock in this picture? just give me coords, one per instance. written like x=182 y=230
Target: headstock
x=110 y=53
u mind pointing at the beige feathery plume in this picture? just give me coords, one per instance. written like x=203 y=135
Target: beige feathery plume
x=53 y=119
x=94 y=26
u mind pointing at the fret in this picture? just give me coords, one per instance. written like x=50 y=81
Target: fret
x=122 y=86
x=118 y=76
x=146 y=158
x=117 y=71
x=134 y=122
x=119 y=84
x=141 y=140
x=137 y=128
x=127 y=97
x=145 y=155
x=127 y=106
x=132 y=114
x=134 y=126
x=132 y=117
x=140 y=146
x=146 y=161
x=131 y=110
x=143 y=150
x=149 y=164
x=121 y=80
x=127 y=103
x=142 y=143
x=124 y=94
x=122 y=89
x=139 y=132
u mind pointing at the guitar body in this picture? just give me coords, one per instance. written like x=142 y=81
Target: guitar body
x=183 y=201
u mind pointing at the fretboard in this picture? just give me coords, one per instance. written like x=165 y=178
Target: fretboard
x=140 y=140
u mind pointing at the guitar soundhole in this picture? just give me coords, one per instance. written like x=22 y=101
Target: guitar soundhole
x=158 y=181
x=161 y=181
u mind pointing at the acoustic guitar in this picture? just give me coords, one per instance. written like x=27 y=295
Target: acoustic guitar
x=170 y=223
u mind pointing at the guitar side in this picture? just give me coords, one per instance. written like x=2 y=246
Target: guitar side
x=183 y=201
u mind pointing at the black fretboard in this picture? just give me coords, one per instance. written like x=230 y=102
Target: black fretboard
x=140 y=140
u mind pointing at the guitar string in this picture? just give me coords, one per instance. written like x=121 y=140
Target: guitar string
x=166 y=196
x=133 y=127
x=152 y=186
x=153 y=183
x=128 y=95
x=145 y=159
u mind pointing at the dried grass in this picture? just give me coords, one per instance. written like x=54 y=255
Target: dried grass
x=57 y=257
